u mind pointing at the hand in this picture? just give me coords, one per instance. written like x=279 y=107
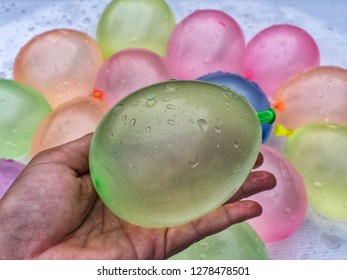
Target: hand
x=52 y=211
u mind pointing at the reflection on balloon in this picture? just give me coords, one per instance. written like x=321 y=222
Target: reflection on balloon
x=206 y=41
x=68 y=122
x=127 y=24
x=22 y=109
x=319 y=152
x=276 y=53
x=238 y=242
x=318 y=94
x=173 y=151
x=246 y=88
x=284 y=206
x=128 y=71
x=9 y=170
x=61 y=64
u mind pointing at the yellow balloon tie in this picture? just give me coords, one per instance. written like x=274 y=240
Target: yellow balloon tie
x=280 y=130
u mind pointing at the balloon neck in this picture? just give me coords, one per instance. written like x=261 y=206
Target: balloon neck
x=267 y=116
x=98 y=94
x=279 y=105
x=280 y=130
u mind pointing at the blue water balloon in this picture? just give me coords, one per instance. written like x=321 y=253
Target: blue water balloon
x=250 y=90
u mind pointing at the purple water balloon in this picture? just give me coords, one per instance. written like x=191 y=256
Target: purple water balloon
x=9 y=170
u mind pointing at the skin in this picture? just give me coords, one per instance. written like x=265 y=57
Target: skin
x=52 y=211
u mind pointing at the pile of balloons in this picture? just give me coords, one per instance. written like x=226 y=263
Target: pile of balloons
x=175 y=109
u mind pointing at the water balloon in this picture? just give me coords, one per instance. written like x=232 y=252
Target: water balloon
x=9 y=170
x=127 y=24
x=173 y=151
x=276 y=53
x=61 y=64
x=205 y=41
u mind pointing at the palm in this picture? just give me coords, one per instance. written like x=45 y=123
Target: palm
x=60 y=216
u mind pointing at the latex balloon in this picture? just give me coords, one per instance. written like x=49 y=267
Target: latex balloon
x=246 y=88
x=9 y=170
x=284 y=206
x=319 y=152
x=276 y=53
x=68 y=122
x=127 y=24
x=238 y=242
x=173 y=151
x=127 y=71
x=61 y=64
x=206 y=41
x=22 y=109
x=318 y=94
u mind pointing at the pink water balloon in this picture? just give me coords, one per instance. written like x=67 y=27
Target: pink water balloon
x=61 y=64
x=315 y=95
x=284 y=207
x=276 y=53
x=127 y=71
x=203 y=42
x=9 y=170
x=67 y=122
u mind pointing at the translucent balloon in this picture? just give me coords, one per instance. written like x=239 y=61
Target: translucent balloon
x=206 y=41
x=246 y=88
x=127 y=71
x=22 y=109
x=318 y=94
x=319 y=152
x=9 y=170
x=127 y=24
x=61 y=64
x=285 y=206
x=238 y=242
x=276 y=53
x=173 y=151
x=68 y=122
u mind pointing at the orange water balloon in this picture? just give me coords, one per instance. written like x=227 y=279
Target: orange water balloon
x=61 y=64
x=315 y=95
x=68 y=122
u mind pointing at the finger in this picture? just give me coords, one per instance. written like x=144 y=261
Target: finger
x=259 y=161
x=181 y=237
x=74 y=154
x=257 y=181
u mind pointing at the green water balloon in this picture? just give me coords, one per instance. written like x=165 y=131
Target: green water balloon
x=238 y=242
x=172 y=152
x=125 y=24
x=319 y=153
x=22 y=109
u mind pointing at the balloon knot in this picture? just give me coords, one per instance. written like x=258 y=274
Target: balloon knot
x=248 y=75
x=267 y=116
x=98 y=94
x=280 y=130
x=279 y=105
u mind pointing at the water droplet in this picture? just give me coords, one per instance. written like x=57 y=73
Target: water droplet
x=287 y=211
x=135 y=103
x=67 y=121
x=148 y=129
x=171 y=88
x=151 y=96
x=318 y=184
x=151 y=103
x=170 y=107
x=86 y=20
x=166 y=99
x=132 y=122
x=60 y=126
x=202 y=257
x=171 y=122
x=236 y=144
x=283 y=43
x=204 y=245
x=195 y=162
x=124 y=117
x=191 y=121
x=217 y=129
x=202 y=124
